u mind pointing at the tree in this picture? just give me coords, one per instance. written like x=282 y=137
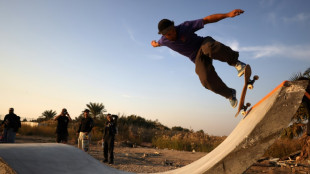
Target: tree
x=47 y=115
x=96 y=109
x=299 y=75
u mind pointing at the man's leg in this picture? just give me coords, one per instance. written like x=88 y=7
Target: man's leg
x=11 y=135
x=209 y=78
x=105 y=150
x=58 y=138
x=218 y=51
x=80 y=141
x=111 y=150
x=5 y=135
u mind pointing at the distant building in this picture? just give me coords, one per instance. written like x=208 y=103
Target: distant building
x=32 y=124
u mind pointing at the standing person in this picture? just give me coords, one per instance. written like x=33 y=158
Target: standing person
x=109 y=138
x=11 y=125
x=84 y=131
x=62 y=127
x=202 y=50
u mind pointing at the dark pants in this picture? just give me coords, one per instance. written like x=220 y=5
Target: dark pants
x=109 y=148
x=9 y=135
x=211 y=49
x=62 y=137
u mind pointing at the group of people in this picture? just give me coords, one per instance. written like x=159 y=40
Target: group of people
x=84 y=132
x=12 y=123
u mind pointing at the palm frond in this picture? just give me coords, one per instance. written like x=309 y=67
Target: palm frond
x=296 y=76
x=307 y=73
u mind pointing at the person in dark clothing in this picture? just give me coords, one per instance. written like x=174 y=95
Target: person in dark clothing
x=84 y=130
x=62 y=127
x=109 y=138
x=202 y=51
x=11 y=125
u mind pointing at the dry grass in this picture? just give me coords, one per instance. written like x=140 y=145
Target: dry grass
x=283 y=147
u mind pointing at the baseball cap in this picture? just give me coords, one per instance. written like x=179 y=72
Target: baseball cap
x=164 y=26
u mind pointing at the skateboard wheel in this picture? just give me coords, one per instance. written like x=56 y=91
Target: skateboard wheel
x=243 y=113
x=248 y=104
x=250 y=86
x=256 y=77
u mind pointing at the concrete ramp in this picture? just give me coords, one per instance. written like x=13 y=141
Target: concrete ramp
x=244 y=146
x=51 y=158
x=254 y=134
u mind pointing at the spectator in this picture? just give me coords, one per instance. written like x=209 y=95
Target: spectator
x=108 y=138
x=11 y=125
x=62 y=127
x=84 y=131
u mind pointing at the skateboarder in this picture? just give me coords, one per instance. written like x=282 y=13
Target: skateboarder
x=202 y=50
x=62 y=126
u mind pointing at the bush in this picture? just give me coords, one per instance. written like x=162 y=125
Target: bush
x=282 y=148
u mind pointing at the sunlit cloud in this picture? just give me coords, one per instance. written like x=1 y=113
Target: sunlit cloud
x=278 y=50
x=233 y=44
x=299 y=18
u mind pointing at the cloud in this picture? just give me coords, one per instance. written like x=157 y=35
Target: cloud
x=155 y=57
x=266 y=3
x=233 y=44
x=278 y=50
x=299 y=18
x=272 y=18
x=132 y=36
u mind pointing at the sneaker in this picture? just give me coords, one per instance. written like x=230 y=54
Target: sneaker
x=233 y=100
x=240 y=66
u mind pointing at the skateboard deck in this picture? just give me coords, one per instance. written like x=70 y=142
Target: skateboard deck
x=248 y=83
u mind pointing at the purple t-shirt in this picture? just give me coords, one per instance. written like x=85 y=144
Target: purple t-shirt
x=188 y=42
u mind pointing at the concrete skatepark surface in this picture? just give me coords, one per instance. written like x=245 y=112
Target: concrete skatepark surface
x=248 y=141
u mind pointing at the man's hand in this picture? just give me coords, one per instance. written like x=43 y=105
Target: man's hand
x=234 y=13
x=154 y=43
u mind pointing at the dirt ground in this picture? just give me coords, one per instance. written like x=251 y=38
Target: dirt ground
x=150 y=160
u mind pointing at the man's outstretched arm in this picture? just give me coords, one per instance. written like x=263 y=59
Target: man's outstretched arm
x=217 y=17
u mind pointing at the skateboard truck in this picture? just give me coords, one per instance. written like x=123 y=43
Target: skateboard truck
x=251 y=82
x=244 y=108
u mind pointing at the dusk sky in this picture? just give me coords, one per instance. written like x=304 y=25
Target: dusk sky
x=58 y=54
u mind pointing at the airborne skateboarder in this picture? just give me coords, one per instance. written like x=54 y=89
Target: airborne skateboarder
x=202 y=50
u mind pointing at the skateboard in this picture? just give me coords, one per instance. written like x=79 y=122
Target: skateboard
x=85 y=142
x=248 y=83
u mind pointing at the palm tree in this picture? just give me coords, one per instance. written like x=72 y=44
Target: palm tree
x=96 y=109
x=49 y=114
x=299 y=75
